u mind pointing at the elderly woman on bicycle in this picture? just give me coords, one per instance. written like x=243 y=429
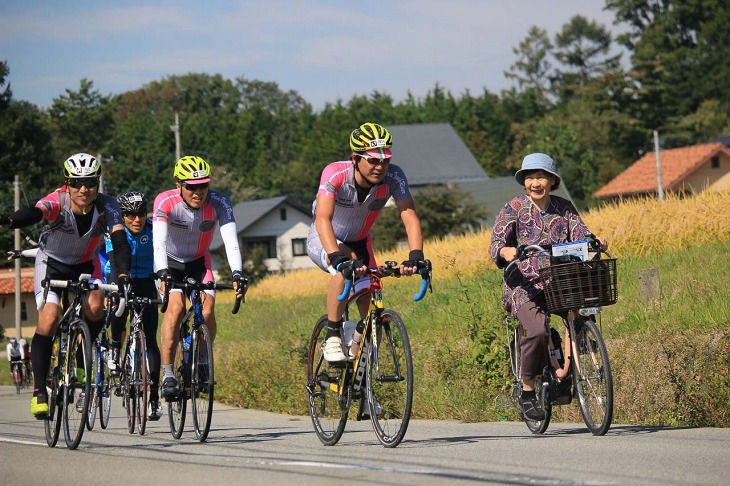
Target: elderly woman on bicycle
x=535 y=218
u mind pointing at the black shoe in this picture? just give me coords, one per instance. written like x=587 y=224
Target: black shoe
x=113 y=363
x=531 y=409
x=154 y=410
x=169 y=387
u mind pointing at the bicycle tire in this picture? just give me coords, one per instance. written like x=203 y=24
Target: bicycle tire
x=177 y=408
x=17 y=379
x=539 y=427
x=106 y=393
x=93 y=402
x=75 y=414
x=202 y=383
x=140 y=381
x=52 y=422
x=594 y=382
x=389 y=380
x=128 y=386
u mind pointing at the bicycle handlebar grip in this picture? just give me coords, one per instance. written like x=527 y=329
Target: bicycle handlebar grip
x=422 y=292
x=346 y=291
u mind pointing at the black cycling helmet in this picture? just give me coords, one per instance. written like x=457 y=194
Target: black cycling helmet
x=133 y=202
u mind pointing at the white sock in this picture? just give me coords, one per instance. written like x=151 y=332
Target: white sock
x=167 y=370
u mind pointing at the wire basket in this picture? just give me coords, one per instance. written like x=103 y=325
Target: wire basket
x=577 y=285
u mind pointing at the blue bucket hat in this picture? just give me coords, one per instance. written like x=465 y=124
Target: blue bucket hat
x=537 y=161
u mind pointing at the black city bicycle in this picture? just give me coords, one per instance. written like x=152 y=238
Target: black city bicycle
x=135 y=367
x=379 y=379
x=576 y=291
x=193 y=363
x=70 y=366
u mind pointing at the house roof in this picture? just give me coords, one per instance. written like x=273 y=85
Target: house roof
x=248 y=212
x=7 y=281
x=433 y=153
x=492 y=194
x=676 y=164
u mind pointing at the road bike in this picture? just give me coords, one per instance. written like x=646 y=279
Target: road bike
x=102 y=384
x=15 y=367
x=135 y=367
x=27 y=373
x=193 y=363
x=70 y=365
x=575 y=291
x=379 y=379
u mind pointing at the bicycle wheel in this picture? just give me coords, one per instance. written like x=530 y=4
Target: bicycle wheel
x=130 y=403
x=140 y=380
x=542 y=394
x=17 y=379
x=105 y=391
x=202 y=382
x=177 y=407
x=390 y=380
x=78 y=386
x=95 y=383
x=592 y=379
x=52 y=422
x=328 y=410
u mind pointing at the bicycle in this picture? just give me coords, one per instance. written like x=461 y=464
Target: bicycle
x=135 y=368
x=70 y=363
x=193 y=363
x=27 y=372
x=17 y=375
x=576 y=291
x=386 y=368
x=103 y=383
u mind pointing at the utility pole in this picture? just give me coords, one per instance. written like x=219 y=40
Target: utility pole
x=176 y=130
x=18 y=333
x=660 y=188
x=101 y=160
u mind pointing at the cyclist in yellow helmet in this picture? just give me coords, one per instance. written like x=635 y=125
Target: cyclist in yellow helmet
x=351 y=196
x=183 y=222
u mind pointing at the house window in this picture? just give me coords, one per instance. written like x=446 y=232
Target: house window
x=715 y=162
x=282 y=214
x=265 y=245
x=23 y=311
x=299 y=246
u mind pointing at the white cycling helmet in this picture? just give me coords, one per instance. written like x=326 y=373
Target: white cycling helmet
x=81 y=165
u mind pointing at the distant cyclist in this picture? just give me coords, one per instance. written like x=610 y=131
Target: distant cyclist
x=77 y=216
x=183 y=221
x=16 y=355
x=351 y=196
x=139 y=236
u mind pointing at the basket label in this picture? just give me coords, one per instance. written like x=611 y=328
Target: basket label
x=576 y=248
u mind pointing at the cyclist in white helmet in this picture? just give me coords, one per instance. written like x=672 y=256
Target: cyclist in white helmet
x=77 y=217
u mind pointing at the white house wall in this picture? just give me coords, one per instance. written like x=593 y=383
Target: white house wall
x=295 y=226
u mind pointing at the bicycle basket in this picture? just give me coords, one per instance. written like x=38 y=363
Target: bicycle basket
x=577 y=285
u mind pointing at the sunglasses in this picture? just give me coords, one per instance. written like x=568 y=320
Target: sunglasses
x=89 y=182
x=195 y=187
x=375 y=160
x=141 y=214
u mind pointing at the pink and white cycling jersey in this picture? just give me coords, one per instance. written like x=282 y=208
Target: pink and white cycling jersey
x=352 y=219
x=60 y=239
x=187 y=232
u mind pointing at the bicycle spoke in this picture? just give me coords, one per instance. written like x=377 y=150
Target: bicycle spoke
x=593 y=380
x=77 y=384
x=202 y=382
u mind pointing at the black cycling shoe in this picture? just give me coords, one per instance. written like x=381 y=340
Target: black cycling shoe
x=531 y=409
x=169 y=387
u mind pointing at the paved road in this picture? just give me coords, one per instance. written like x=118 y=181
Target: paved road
x=259 y=448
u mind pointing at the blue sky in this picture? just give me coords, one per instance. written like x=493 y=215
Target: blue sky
x=324 y=49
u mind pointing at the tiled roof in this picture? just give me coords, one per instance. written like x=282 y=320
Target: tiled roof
x=7 y=281
x=677 y=164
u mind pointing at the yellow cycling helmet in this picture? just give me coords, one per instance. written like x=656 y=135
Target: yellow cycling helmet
x=192 y=168
x=369 y=136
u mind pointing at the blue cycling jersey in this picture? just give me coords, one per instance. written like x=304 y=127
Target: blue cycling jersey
x=142 y=251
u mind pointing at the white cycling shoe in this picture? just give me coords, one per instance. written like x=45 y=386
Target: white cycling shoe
x=333 y=350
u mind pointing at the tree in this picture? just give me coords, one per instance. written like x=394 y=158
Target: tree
x=532 y=70
x=582 y=47
x=81 y=121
